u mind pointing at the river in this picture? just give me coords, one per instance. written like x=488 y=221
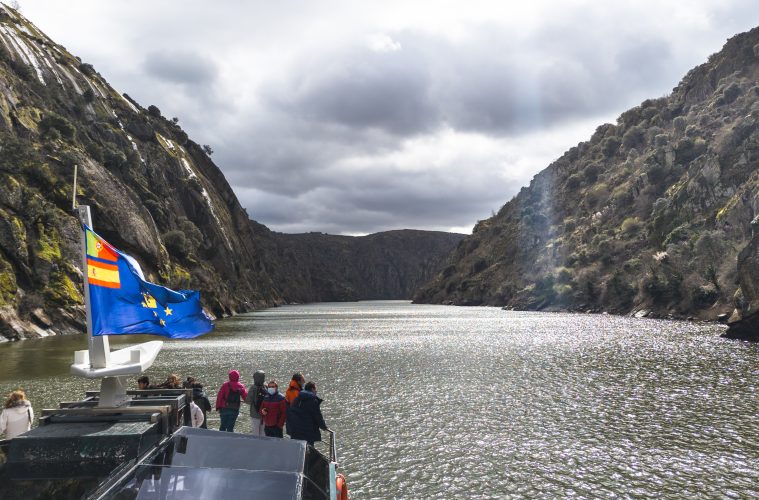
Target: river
x=441 y=401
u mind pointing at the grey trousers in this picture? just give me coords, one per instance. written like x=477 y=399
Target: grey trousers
x=257 y=426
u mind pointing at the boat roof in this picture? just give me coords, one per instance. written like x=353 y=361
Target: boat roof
x=202 y=463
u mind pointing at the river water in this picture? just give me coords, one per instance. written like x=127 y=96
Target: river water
x=441 y=401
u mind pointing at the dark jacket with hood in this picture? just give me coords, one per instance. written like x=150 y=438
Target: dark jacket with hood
x=304 y=417
x=256 y=394
x=200 y=399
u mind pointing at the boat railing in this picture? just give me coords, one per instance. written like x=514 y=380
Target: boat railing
x=332 y=447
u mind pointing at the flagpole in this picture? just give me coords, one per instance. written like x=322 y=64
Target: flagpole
x=99 y=347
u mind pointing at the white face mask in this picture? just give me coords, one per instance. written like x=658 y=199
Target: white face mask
x=271 y=390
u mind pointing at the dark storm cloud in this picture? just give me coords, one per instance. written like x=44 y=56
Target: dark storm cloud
x=183 y=67
x=364 y=89
x=295 y=165
x=486 y=85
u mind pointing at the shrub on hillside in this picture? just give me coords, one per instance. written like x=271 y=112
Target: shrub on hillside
x=176 y=243
x=610 y=146
x=679 y=123
x=87 y=69
x=633 y=137
x=573 y=182
x=630 y=226
x=731 y=93
x=55 y=122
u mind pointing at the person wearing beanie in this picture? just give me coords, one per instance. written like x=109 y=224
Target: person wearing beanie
x=228 y=400
x=200 y=399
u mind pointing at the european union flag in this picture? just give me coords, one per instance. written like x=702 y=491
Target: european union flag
x=122 y=302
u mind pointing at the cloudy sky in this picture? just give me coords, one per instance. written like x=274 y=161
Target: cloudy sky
x=352 y=117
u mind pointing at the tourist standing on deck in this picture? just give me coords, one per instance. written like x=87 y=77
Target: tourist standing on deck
x=255 y=397
x=196 y=415
x=304 y=417
x=274 y=410
x=200 y=399
x=143 y=383
x=17 y=415
x=172 y=382
x=228 y=400
x=296 y=384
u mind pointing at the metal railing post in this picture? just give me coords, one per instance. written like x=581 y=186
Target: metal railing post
x=332 y=447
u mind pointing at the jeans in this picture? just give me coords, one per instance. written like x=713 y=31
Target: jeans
x=228 y=418
x=275 y=432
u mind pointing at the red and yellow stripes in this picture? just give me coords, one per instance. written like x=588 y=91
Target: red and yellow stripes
x=102 y=274
x=99 y=248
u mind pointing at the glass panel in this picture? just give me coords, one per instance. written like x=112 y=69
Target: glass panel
x=181 y=483
x=316 y=468
x=208 y=448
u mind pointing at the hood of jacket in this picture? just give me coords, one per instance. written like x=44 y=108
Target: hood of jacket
x=234 y=381
x=304 y=394
x=258 y=377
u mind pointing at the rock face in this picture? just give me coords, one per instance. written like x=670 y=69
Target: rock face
x=317 y=267
x=649 y=215
x=744 y=323
x=154 y=193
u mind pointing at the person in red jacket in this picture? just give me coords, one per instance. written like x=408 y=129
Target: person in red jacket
x=273 y=410
x=228 y=400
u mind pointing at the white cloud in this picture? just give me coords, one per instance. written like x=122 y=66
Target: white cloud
x=382 y=43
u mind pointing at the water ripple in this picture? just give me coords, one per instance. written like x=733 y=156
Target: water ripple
x=443 y=402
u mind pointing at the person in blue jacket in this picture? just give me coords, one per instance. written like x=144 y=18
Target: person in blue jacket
x=304 y=416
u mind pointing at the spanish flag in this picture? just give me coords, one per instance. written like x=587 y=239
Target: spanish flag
x=123 y=302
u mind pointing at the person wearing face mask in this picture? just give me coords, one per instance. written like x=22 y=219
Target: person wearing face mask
x=304 y=417
x=273 y=410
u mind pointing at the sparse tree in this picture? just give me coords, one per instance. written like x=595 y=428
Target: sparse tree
x=154 y=111
x=208 y=150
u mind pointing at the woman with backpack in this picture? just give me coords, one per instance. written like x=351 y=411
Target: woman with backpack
x=17 y=415
x=228 y=400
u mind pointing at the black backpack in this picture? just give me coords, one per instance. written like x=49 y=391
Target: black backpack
x=233 y=399
x=258 y=398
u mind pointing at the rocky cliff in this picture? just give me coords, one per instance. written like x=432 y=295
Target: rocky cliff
x=154 y=193
x=648 y=216
x=318 y=267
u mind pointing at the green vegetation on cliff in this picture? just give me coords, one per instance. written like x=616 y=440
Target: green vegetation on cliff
x=649 y=214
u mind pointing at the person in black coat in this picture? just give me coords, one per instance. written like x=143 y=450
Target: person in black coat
x=200 y=399
x=304 y=416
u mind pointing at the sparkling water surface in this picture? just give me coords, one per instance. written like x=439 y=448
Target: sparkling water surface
x=442 y=402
